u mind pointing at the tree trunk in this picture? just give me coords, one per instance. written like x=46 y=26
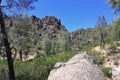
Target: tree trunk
x=21 y=54
x=7 y=48
x=102 y=42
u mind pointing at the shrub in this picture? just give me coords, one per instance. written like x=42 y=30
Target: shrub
x=109 y=40
x=3 y=70
x=97 y=57
x=39 y=68
x=107 y=72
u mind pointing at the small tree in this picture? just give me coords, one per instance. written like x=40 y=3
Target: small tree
x=14 y=6
x=47 y=47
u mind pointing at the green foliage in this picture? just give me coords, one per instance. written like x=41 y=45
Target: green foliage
x=47 y=47
x=38 y=69
x=24 y=36
x=64 y=41
x=109 y=40
x=97 y=57
x=113 y=31
x=101 y=24
x=3 y=70
x=115 y=4
x=107 y=72
x=89 y=48
x=20 y=34
x=113 y=46
x=4 y=74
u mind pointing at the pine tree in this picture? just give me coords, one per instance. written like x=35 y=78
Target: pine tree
x=101 y=24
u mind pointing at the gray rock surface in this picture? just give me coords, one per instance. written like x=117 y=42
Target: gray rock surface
x=80 y=67
x=116 y=73
x=58 y=65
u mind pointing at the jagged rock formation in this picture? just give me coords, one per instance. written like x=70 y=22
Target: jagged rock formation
x=80 y=67
x=48 y=23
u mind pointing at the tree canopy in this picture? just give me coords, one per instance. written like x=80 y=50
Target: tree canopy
x=115 y=4
x=13 y=7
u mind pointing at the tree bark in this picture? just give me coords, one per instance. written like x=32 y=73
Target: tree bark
x=7 y=48
x=21 y=54
x=102 y=42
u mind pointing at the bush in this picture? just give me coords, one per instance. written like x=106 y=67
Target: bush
x=109 y=41
x=3 y=70
x=97 y=57
x=39 y=68
x=113 y=46
x=107 y=72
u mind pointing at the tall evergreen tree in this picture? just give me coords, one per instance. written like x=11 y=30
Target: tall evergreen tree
x=101 y=24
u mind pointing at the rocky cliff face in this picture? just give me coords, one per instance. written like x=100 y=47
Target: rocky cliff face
x=48 y=23
x=80 y=67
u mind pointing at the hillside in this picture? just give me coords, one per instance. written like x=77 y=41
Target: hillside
x=49 y=36
x=42 y=36
x=46 y=41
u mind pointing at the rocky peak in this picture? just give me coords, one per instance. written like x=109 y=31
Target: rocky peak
x=33 y=19
x=48 y=23
x=36 y=22
x=51 y=20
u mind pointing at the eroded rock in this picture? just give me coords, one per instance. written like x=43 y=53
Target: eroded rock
x=48 y=23
x=80 y=67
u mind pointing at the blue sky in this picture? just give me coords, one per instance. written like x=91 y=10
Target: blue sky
x=74 y=14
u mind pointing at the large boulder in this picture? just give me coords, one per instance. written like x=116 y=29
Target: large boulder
x=80 y=67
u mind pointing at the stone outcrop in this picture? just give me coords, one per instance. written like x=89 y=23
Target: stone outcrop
x=58 y=65
x=36 y=22
x=31 y=56
x=116 y=72
x=80 y=67
x=48 y=23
